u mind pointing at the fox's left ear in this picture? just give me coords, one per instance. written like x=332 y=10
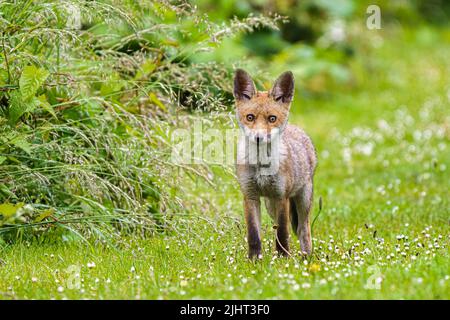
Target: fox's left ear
x=283 y=89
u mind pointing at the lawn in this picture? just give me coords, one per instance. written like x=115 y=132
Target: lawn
x=382 y=233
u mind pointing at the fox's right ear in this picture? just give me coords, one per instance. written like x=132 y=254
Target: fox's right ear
x=244 y=88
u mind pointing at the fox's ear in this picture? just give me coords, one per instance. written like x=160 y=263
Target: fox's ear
x=244 y=88
x=283 y=89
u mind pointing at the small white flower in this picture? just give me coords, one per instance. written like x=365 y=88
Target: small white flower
x=60 y=289
x=91 y=265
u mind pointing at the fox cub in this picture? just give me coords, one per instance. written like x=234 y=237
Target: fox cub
x=275 y=160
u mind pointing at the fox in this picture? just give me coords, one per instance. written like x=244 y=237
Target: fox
x=275 y=161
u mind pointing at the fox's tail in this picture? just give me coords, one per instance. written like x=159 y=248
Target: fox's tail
x=293 y=215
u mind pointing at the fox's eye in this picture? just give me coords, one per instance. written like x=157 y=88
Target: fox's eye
x=272 y=119
x=250 y=117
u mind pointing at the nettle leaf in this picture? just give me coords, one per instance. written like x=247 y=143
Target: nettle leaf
x=19 y=106
x=30 y=81
x=46 y=106
x=16 y=106
x=22 y=143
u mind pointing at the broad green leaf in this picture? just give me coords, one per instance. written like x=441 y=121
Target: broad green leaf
x=9 y=209
x=2 y=159
x=30 y=81
x=22 y=143
x=46 y=106
x=18 y=106
x=45 y=214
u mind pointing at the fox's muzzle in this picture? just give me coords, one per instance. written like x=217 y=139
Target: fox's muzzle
x=260 y=138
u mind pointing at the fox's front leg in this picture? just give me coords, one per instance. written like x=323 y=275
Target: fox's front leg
x=282 y=216
x=252 y=218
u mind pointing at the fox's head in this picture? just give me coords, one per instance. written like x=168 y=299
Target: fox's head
x=261 y=115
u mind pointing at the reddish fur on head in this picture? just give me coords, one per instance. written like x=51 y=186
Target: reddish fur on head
x=261 y=112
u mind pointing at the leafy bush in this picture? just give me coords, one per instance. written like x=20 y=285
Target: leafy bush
x=88 y=94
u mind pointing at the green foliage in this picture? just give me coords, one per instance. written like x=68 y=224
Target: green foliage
x=24 y=100
x=87 y=92
x=30 y=81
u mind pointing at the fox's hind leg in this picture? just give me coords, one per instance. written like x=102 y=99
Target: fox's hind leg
x=303 y=203
x=282 y=220
x=278 y=210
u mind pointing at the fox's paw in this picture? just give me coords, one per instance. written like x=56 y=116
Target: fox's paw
x=306 y=246
x=254 y=254
x=283 y=251
x=283 y=248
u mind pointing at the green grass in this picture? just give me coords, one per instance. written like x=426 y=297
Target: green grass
x=383 y=176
